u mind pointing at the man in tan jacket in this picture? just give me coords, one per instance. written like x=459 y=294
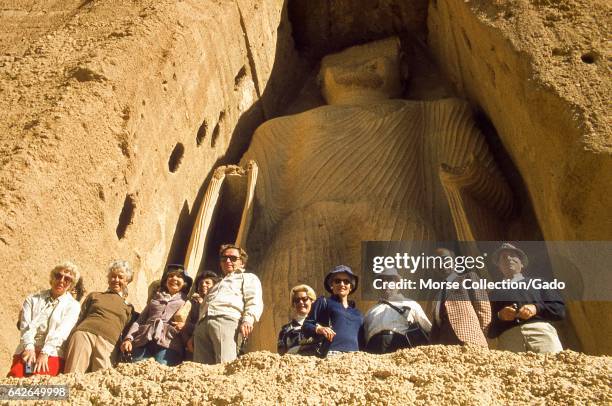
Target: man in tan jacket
x=229 y=311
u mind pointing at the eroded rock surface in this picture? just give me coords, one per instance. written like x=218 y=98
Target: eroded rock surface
x=112 y=115
x=540 y=71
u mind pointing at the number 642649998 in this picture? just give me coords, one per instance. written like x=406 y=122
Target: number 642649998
x=34 y=392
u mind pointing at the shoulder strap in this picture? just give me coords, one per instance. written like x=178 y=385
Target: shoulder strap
x=401 y=311
x=242 y=290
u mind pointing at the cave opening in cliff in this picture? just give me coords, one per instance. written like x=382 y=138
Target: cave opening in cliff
x=126 y=217
x=407 y=163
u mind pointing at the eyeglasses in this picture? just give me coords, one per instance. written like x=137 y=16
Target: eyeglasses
x=59 y=277
x=232 y=258
x=297 y=300
x=343 y=281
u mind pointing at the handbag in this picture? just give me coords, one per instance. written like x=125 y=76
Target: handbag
x=415 y=334
x=309 y=346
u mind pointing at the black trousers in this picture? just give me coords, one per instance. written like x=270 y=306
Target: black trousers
x=446 y=335
x=386 y=342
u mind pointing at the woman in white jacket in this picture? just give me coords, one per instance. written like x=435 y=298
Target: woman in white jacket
x=47 y=317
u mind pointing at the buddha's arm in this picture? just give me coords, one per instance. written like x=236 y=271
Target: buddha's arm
x=479 y=197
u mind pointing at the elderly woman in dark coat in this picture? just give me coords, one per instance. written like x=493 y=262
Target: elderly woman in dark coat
x=154 y=334
x=291 y=339
x=104 y=315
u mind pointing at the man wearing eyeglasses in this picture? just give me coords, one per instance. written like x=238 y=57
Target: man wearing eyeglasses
x=229 y=311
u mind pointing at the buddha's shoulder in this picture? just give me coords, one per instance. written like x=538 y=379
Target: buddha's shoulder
x=384 y=106
x=324 y=116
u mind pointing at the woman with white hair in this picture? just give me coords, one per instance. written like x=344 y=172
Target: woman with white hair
x=47 y=317
x=291 y=339
x=104 y=315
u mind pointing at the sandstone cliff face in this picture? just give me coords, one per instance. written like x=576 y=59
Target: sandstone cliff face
x=113 y=114
x=540 y=71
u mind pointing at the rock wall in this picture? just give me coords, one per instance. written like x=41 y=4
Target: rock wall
x=540 y=72
x=325 y=26
x=112 y=117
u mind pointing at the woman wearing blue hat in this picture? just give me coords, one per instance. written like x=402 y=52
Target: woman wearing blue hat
x=335 y=319
x=154 y=334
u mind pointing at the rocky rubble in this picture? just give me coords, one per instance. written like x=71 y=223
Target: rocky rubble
x=422 y=376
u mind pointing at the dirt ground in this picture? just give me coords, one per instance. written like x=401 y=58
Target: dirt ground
x=423 y=376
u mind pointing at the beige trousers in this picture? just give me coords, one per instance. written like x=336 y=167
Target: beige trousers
x=88 y=350
x=214 y=340
x=540 y=337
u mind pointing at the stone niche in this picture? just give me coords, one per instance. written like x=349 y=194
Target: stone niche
x=554 y=156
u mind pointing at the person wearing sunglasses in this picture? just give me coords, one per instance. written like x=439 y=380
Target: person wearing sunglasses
x=336 y=318
x=291 y=339
x=47 y=317
x=229 y=310
x=104 y=316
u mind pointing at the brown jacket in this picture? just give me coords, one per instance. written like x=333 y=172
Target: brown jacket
x=105 y=314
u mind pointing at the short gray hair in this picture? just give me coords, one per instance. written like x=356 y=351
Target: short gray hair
x=67 y=266
x=121 y=265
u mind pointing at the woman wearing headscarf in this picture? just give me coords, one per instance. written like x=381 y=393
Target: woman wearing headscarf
x=336 y=318
x=291 y=338
x=47 y=317
x=154 y=334
x=104 y=315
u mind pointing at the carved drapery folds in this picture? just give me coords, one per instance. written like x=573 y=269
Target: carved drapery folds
x=366 y=168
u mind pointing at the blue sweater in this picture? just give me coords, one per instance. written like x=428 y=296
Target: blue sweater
x=346 y=322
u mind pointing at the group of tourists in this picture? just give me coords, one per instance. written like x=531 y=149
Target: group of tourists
x=58 y=334
x=519 y=319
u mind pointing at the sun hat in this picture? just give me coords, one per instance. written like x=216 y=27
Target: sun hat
x=339 y=269
x=509 y=247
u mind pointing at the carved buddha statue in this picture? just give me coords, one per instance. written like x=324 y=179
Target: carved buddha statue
x=367 y=166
